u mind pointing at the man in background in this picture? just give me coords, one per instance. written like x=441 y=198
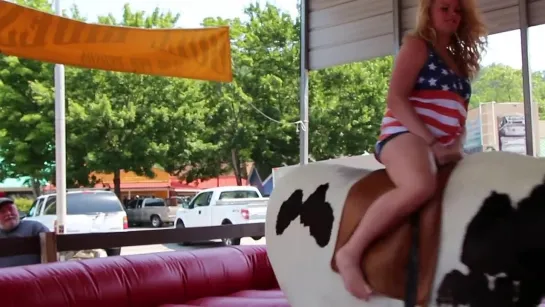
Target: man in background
x=11 y=226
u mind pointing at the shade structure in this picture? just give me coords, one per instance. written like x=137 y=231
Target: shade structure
x=345 y=31
x=336 y=32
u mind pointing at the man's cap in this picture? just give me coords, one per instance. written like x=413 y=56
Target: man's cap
x=5 y=201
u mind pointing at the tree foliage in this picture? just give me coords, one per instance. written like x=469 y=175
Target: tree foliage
x=114 y=121
x=27 y=134
x=502 y=83
x=194 y=129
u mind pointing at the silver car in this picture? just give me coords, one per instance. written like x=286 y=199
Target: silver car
x=156 y=211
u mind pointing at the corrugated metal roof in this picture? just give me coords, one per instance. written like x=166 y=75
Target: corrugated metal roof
x=345 y=31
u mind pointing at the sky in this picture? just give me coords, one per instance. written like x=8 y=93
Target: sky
x=502 y=48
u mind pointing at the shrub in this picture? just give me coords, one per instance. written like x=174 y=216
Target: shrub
x=23 y=203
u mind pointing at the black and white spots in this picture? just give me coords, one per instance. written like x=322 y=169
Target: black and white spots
x=503 y=249
x=315 y=213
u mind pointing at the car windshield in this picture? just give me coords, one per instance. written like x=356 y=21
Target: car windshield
x=184 y=201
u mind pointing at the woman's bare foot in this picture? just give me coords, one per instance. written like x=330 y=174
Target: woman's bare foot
x=350 y=270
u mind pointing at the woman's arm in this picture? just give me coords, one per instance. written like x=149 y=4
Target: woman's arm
x=411 y=58
x=459 y=143
x=462 y=137
x=456 y=149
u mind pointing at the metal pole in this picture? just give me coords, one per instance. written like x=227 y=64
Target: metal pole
x=398 y=31
x=495 y=127
x=60 y=140
x=481 y=125
x=303 y=90
x=530 y=108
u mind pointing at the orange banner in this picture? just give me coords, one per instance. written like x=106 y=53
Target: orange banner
x=203 y=54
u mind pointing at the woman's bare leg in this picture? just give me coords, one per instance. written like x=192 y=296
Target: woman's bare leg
x=411 y=166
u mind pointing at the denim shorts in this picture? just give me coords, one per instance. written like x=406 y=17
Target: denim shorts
x=380 y=144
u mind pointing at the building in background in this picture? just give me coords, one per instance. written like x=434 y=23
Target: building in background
x=16 y=187
x=163 y=185
x=255 y=178
x=499 y=126
x=264 y=186
x=473 y=142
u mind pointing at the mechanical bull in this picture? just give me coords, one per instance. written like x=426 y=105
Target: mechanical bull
x=480 y=241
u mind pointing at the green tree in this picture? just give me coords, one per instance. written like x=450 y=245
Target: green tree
x=266 y=59
x=114 y=121
x=502 y=83
x=229 y=125
x=26 y=120
x=191 y=155
x=237 y=127
x=118 y=121
x=156 y=20
x=128 y=122
x=27 y=141
x=254 y=115
x=499 y=83
x=347 y=106
x=538 y=90
x=42 y=5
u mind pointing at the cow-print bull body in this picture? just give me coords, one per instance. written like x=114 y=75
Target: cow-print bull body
x=315 y=213
x=506 y=240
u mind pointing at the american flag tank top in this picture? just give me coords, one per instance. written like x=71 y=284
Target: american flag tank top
x=440 y=98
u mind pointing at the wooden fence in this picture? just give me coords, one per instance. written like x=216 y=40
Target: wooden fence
x=49 y=244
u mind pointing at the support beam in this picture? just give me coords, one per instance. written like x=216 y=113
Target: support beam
x=303 y=90
x=398 y=24
x=531 y=116
x=60 y=140
x=48 y=247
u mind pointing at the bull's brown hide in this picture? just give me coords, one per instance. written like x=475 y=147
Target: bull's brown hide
x=385 y=262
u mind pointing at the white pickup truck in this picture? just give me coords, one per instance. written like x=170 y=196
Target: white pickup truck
x=223 y=206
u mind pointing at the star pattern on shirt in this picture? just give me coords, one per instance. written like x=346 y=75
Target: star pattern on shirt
x=438 y=76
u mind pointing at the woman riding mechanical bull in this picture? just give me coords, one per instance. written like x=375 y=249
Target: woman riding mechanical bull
x=424 y=123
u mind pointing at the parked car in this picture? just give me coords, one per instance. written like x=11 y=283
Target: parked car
x=87 y=211
x=182 y=201
x=223 y=206
x=512 y=125
x=151 y=210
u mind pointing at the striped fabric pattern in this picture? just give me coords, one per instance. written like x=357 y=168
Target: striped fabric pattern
x=440 y=98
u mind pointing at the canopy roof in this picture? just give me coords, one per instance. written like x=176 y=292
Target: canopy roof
x=345 y=31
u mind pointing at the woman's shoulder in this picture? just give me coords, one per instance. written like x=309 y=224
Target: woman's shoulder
x=414 y=49
x=415 y=43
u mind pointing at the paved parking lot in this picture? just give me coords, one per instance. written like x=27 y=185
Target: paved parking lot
x=157 y=248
